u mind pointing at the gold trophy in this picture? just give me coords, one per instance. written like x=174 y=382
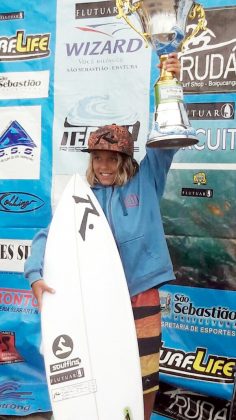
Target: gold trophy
x=163 y=23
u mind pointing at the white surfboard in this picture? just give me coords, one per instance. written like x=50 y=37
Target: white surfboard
x=89 y=339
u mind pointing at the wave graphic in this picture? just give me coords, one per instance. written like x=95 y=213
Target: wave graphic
x=101 y=110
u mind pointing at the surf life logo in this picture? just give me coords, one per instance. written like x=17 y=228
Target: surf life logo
x=87 y=211
x=24 y=47
x=197 y=364
x=15 y=142
x=19 y=202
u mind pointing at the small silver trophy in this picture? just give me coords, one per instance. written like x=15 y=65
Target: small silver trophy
x=163 y=23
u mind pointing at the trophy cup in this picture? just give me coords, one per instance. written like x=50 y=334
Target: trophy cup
x=163 y=23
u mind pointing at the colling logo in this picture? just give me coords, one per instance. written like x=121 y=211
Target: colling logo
x=197 y=365
x=24 y=47
x=19 y=202
x=208 y=61
x=15 y=142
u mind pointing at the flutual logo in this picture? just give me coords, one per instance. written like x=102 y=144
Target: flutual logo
x=15 y=142
x=95 y=10
x=211 y=111
x=19 y=202
x=12 y=15
x=197 y=192
x=24 y=47
x=197 y=365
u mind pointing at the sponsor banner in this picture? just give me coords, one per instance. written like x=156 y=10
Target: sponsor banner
x=208 y=59
x=102 y=72
x=20 y=142
x=210 y=264
x=20 y=85
x=20 y=336
x=13 y=254
x=27 y=45
x=198 y=339
x=204 y=200
x=182 y=404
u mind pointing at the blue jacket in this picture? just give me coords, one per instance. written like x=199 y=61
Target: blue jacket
x=133 y=213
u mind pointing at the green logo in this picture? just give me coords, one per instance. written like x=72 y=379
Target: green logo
x=127 y=414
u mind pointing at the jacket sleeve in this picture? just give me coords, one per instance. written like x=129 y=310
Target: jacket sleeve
x=156 y=164
x=33 y=269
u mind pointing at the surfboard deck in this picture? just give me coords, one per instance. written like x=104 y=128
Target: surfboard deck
x=89 y=339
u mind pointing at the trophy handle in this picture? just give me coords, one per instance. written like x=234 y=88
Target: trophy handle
x=122 y=13
x=196 y=11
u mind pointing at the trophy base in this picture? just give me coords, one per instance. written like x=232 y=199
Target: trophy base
x=171 y=141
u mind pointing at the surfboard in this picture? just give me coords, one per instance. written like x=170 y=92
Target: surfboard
x=89 y=339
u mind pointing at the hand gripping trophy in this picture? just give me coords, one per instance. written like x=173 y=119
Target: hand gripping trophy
x=163 y=23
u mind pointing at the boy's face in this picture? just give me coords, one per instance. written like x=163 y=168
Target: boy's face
x=105 y=166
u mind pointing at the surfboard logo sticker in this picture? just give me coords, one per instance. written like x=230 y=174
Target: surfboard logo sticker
x=62 y=346
x=88 y=210
x=127 y=414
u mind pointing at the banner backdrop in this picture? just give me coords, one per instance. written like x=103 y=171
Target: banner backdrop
x=27 y=46
x=67 y=67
